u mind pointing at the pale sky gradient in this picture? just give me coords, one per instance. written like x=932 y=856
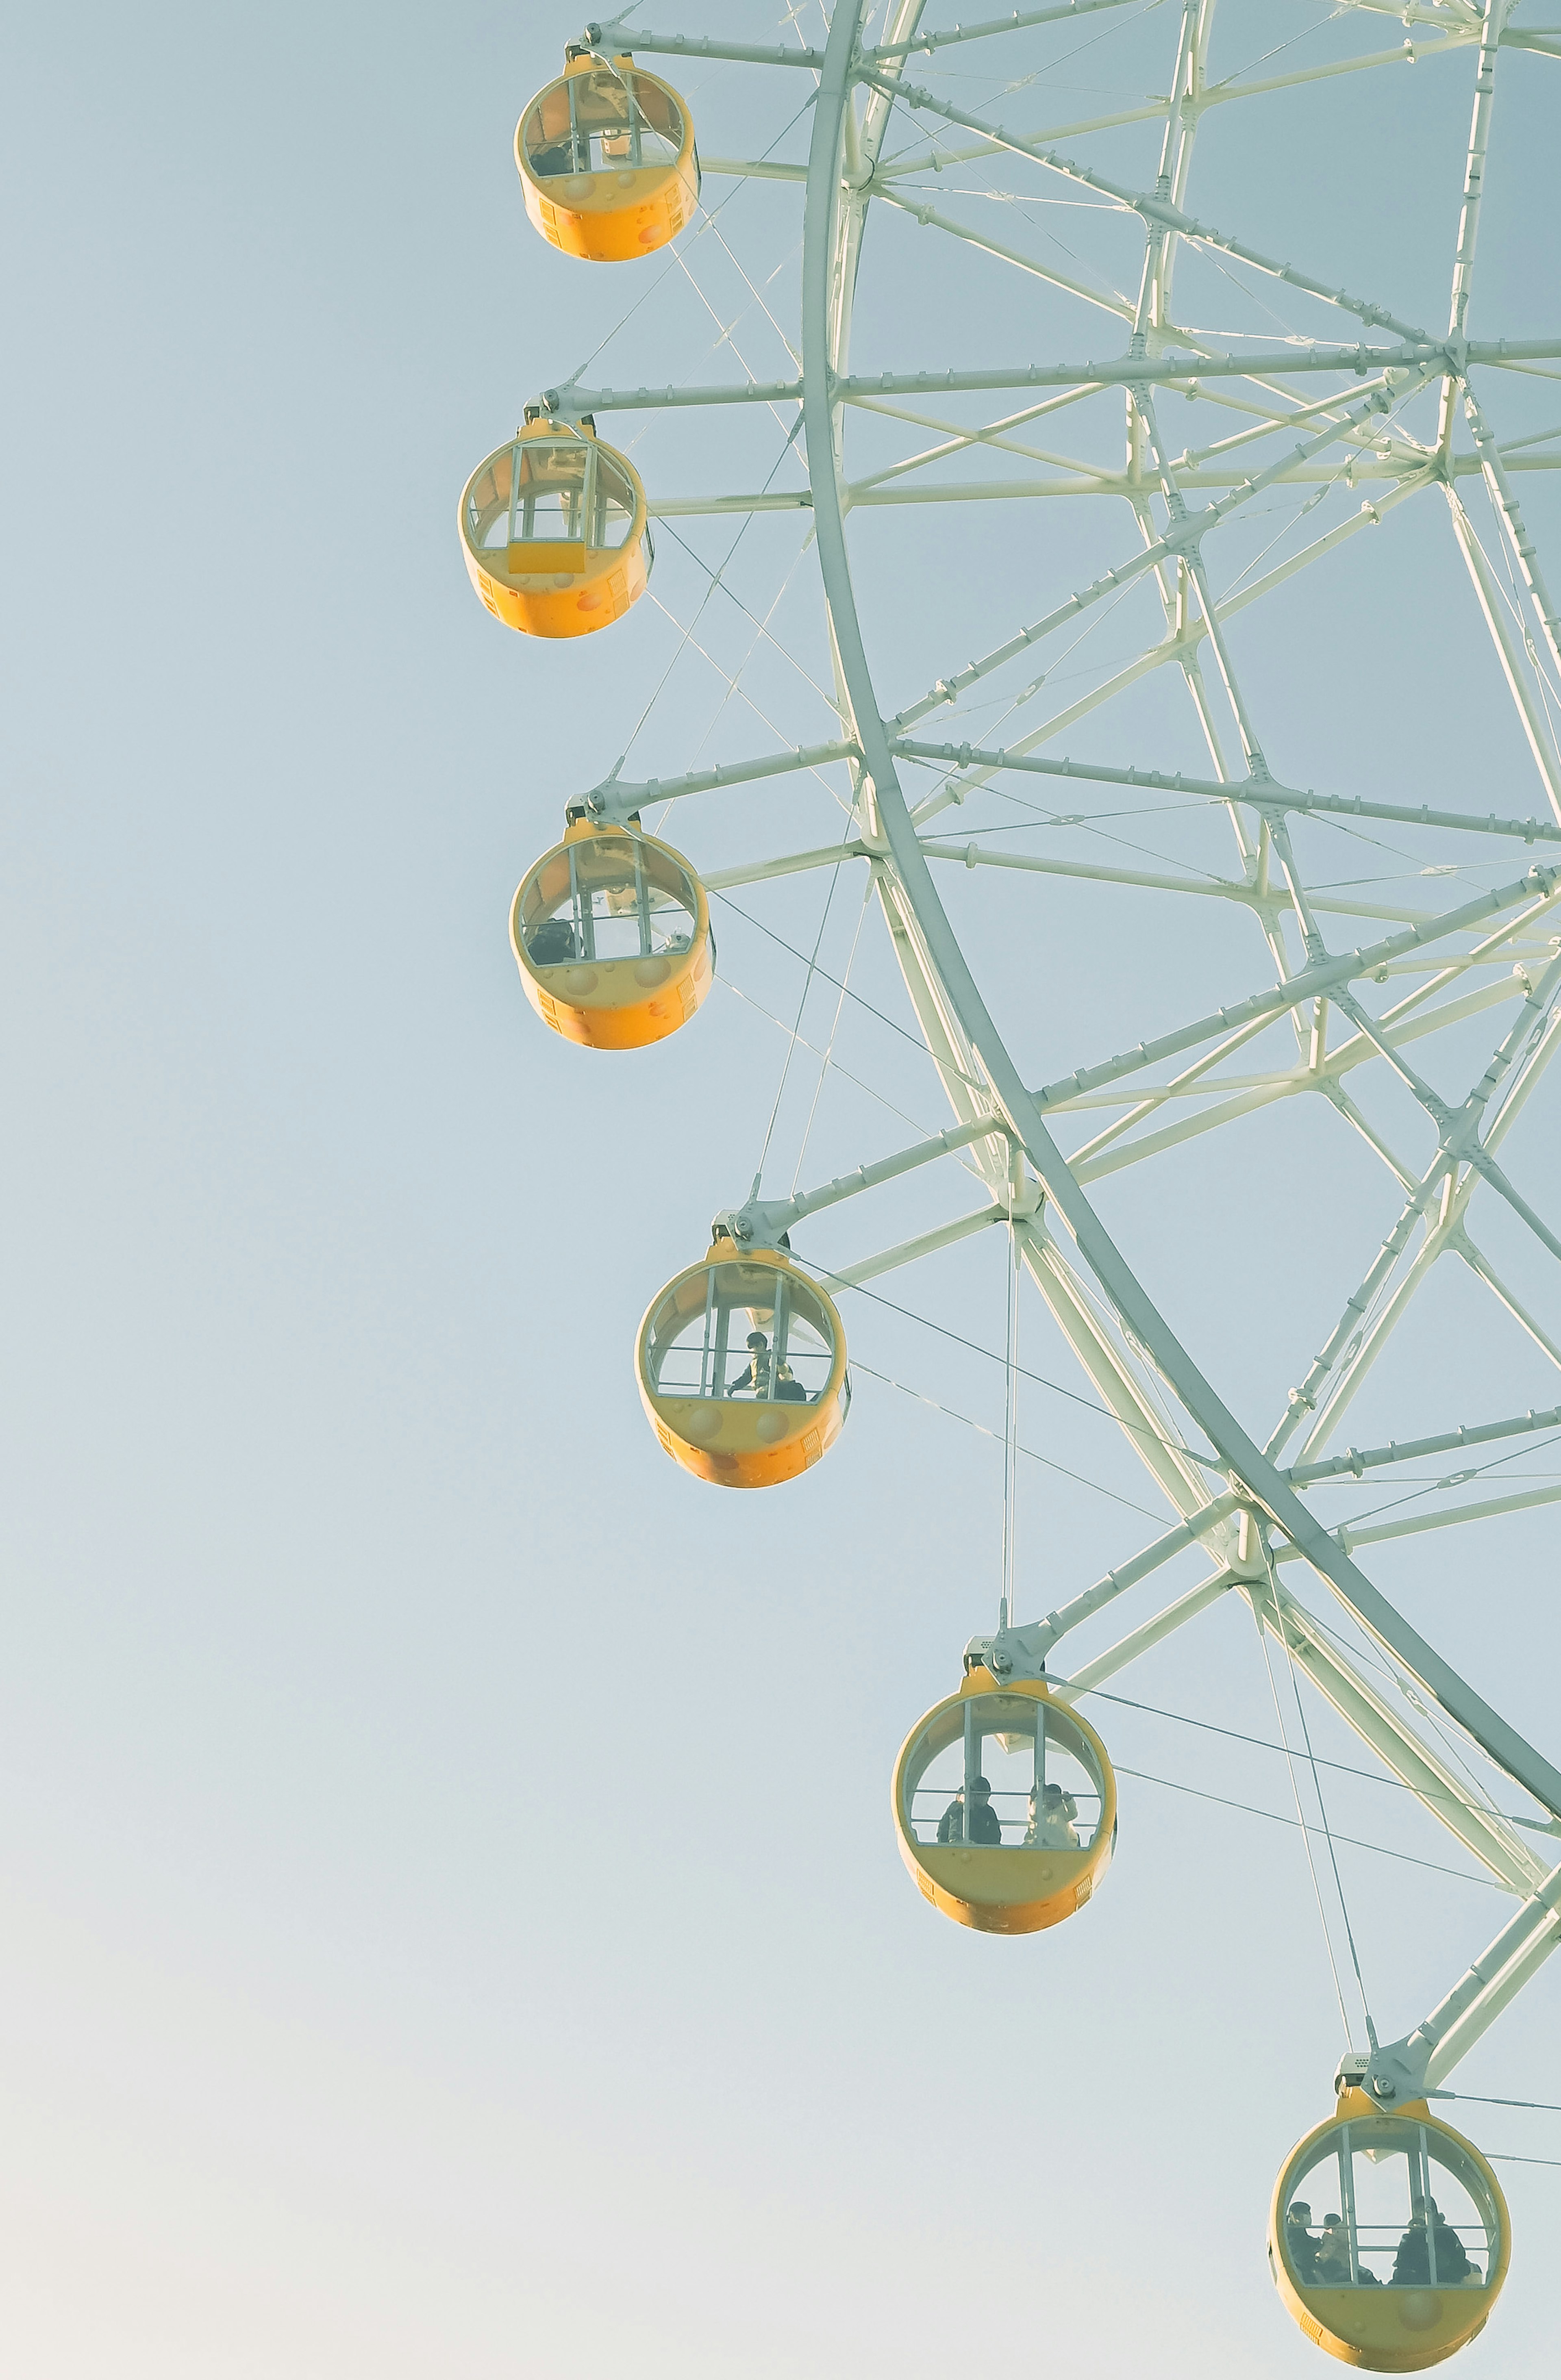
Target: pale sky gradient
x=453 y=1920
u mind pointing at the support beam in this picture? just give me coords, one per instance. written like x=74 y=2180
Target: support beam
x=1488 y=593
x=1144 y=1638
x=1157 y=211
x=828 y=237
x=1017 y=20
x=1120 y=372
x=926 y=1243
x=1323 y=1080
x=1403 y=2069
x=1307 y=985
x=752 y=169
x=1466 y=2029
x=1178 y=649
x=1181 y=1482
x=792 y=863
x=1265 y=795
x=616 y=37
x=1486 y=1835
x=930 y=219
x=616 y=800
x=767 y=1218
x=1369 y=1716
x=1183 y=536
x=1372 y=470
x=1494 y=1509
x=1355 y=1460
x=1023 y=1652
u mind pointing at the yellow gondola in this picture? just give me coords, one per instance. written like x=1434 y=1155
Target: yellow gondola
x=1405 y=2266
x=611 y=933
x=608 y=161
x=1019 y=1854
x=555 y=533
x=742 y=1365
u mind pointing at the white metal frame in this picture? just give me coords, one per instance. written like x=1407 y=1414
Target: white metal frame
x=1246 y=1507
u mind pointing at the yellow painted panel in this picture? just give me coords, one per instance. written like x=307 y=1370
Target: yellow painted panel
x=536 y=557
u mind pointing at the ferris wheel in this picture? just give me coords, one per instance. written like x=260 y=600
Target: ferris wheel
x=1404 y=1032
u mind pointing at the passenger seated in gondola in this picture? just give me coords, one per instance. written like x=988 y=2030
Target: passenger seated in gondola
x=553 y=145
x=789 y=1388
x=1411 y=2266
x=1050 y=1826
x=1331 y=2263
x=1331 y=2267
x=551 y=943
x=757 y=1376
x=984 y=1825
x=1300 y=2245
x=560 y=158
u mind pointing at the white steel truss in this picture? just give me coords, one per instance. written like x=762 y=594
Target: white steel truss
x=1495 y=955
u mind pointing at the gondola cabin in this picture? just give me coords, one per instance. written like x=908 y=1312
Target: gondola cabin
x=607 y=161
x=1005 y=1806
x=741 y=1364
x=1388 y=2237
x=555 y=533
x=611 y=933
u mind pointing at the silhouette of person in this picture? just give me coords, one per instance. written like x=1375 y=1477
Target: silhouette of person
x=757 y=1376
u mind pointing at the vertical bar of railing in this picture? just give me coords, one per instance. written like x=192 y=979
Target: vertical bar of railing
x=722 y=1330
x=1425 y=2192
x=1346 y=2198
x=706 y=1350
x=636 y=145
x=778 y=1329
x=585 y=907
x=578 y=165
x=514 y=485
x=973 y=1764
x=642 y=900
x=574 y=497
x=1040 y=1758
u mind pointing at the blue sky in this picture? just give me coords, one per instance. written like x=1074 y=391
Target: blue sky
x=455 y=1921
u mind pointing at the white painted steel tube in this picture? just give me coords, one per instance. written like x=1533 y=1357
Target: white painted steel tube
x=946 y=963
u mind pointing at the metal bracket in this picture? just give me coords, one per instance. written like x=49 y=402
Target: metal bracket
x=759 y=1224
x=612 y=803
x=1397 y=2070
x=1021 y=1652
x=1392 y=2073
x=567 y=404
x=1015 y=1652
x=612 y=36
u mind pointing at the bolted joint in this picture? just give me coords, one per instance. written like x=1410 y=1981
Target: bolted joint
x=1244 y=1541
x=611 y=803
x=1390 y=2075
x=1184 y=536
x=1025 y=1199
x=572 y=405
x=1015 y=1652
x=759 y=1224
